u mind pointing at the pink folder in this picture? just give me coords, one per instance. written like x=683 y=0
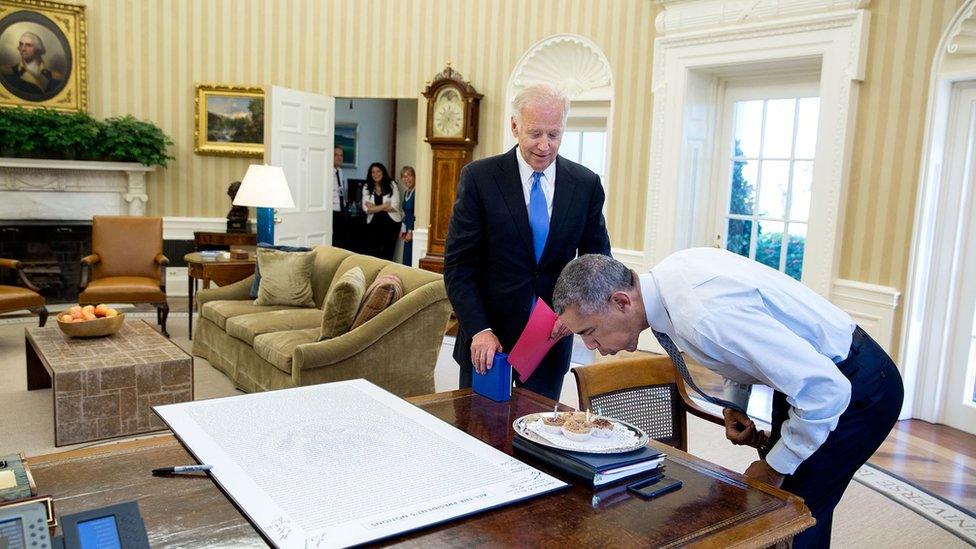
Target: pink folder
x=534 y=342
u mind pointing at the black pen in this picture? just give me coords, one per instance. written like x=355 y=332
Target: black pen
x=181 y=469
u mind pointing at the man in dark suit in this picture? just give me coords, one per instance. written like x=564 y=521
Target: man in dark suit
x=518 y=219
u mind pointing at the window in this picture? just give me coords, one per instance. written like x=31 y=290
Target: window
x=588 y=148
x=769 y=158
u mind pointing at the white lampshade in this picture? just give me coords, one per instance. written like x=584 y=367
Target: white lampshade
x=264 y=186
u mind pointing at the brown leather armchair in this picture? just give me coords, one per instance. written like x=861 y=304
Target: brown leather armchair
x=127 y=264
x=15 y=298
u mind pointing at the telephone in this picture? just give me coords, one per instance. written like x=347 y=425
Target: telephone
x=24 y=525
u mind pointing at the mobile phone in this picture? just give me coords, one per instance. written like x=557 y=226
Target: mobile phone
x=653 y=487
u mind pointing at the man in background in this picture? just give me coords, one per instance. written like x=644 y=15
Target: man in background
x=518 y=219
x=340 y=202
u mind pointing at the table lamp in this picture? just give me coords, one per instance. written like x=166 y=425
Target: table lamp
x=265 y=188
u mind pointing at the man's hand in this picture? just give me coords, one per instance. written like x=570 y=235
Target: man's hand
x=741 y=430
x=483 y=348
x=760 y=470
x=559 y=331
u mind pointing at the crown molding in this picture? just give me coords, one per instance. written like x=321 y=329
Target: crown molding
x=689 y=15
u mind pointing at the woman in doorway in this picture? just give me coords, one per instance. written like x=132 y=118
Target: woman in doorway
x=381 y=201
x=408 y=178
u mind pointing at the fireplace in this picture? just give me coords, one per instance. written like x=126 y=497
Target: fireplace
x=51 y=253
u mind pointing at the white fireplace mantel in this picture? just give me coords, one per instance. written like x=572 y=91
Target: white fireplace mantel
x=71 y=189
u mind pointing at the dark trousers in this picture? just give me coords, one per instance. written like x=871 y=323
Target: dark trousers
x=382 y=233
x=876 y=398
x=340 y=230
x=546 y=380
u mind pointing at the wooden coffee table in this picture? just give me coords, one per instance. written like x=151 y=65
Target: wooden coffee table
x=105 y=387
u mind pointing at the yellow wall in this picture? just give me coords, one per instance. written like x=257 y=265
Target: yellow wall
x=888 y=140
x=146 y=56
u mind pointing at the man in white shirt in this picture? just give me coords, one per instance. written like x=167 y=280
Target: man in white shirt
x=838 y=394
x=340 y=199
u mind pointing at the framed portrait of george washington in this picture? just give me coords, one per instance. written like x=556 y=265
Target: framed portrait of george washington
x=229 y=120
x=42 y=55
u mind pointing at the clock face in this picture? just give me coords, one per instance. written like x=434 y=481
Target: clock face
x=448 y=114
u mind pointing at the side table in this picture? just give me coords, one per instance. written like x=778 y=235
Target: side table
x=221 y=271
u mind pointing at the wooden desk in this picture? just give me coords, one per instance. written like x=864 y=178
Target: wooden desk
x=221 y=271
x=714 y=508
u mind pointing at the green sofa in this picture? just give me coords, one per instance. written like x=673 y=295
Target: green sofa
x=262 y=348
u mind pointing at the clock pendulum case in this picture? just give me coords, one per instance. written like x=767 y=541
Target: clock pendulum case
x=452 y=131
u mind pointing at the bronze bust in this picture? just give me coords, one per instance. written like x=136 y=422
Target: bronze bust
x=237 y=217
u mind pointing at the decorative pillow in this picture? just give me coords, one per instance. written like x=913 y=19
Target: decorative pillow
x=382 y=293
x=341 y=303
x=286 y=278
x=257 y=268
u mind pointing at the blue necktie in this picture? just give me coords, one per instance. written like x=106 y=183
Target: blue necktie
x=538 y=216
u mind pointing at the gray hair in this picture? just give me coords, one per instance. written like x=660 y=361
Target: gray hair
x=537 y=94
x=38 y=43
x=588 y=281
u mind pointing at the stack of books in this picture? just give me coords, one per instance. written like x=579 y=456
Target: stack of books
x=595 y=469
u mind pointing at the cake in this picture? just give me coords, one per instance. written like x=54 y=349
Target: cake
x=553 y=423
x=576 y=430
x=602 y=427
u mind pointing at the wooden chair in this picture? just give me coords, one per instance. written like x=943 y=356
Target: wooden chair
x=127 y=264
x=646 y=392
x=15 y=298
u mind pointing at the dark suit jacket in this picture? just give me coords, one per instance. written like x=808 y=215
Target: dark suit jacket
x=489 y=262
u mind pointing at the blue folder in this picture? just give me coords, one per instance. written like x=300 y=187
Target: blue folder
x=496 y=383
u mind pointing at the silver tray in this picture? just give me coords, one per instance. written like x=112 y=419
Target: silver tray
x=521 y=428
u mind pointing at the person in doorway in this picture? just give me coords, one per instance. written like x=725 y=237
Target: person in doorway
x=408 y=178
x=381 y=202
x=837 y=393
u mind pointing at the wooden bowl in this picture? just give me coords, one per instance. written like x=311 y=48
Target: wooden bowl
x=93 y=328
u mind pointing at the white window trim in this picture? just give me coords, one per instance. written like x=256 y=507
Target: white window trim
x=687 y=69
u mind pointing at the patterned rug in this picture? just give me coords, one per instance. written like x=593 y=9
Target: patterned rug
x=937 y=509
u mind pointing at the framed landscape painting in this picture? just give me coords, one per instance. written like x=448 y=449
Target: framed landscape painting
x=229 y=120
x=42 y=55
x=347 y=139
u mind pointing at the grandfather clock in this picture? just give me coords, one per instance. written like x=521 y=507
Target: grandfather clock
x=452 y=131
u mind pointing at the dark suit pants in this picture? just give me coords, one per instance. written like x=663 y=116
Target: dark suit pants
x=876 y=398
x=546 y=380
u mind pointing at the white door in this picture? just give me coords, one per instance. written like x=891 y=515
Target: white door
x=959 y=400
x=298 y=136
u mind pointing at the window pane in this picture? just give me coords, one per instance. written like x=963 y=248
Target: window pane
x=806 y=128
x=570 y=146
x=740 y=232
x=769 y=243
x=743 y=188
x=773 y=185
x=778 y=137
x=748 y=123
x=594 y=151
x=794 y=249
x=802 y=183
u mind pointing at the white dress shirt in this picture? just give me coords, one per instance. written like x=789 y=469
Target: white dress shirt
x=753 y=324
x=396 y=214
x=338 y=190
x=547 y=181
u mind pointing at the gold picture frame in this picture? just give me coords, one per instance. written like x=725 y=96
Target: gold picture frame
x=229 y=120
x=43 y=55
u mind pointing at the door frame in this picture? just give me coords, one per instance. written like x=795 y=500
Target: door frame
x=923 y=356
